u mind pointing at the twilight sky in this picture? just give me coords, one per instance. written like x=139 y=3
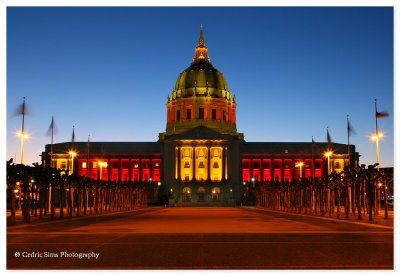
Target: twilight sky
x=108 y=71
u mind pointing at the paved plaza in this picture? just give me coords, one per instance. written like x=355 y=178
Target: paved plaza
x=200 y=237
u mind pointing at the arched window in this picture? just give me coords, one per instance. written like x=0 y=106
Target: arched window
x=216 y=192
x=186 y=194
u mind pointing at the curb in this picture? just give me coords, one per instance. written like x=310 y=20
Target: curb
x=66 y=219
x=322 y=218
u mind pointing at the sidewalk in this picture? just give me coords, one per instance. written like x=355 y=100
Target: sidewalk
x=19 y=219
x=378 y=220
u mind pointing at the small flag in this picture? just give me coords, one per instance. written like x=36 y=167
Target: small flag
x=328 y=137
x=21 y=109
x=381 y=114
x=73 y=134
x=52 y=128
x=350 y=129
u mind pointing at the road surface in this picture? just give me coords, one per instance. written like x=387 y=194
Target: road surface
x=200 y=237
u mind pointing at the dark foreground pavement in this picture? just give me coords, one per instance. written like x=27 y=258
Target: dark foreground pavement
x=200 y=237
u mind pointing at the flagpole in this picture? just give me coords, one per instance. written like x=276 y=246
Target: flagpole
x=52 y=135
x=348 y=139
x=312 y=156
x=378 y=159
x=88 y=156
x=22 y=131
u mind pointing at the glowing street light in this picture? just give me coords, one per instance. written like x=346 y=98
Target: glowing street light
x=300 y=166
x=376 y=137
x=159 y=184
x=23 y=136
x=101 y=165
x=73 y=154
x=253 y=180
x=328 y=155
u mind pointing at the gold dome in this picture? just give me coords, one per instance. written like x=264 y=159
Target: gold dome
x=201 y=78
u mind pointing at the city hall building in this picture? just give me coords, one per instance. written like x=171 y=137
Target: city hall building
x=201 y=158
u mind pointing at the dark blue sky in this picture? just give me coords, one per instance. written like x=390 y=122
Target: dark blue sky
x=108 y=71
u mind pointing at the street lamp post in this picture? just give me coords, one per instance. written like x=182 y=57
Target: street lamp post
x=376 y=137
x=73 y=154
x=23 y=136
x=328 y=156
x=300 y=166
x=101 y=165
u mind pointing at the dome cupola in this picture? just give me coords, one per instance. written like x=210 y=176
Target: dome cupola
x=201 y=97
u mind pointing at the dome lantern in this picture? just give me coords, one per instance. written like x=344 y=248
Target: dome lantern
x=201 y=49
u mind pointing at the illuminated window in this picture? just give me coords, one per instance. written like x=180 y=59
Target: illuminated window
x=337 y=165
x=213 y=114
x=94 y=165
x=188 y=114
x=63 y=165
x=136 y=165
x=178 y=115
x=156 y=164
x=83 y=165
x=201 y=113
